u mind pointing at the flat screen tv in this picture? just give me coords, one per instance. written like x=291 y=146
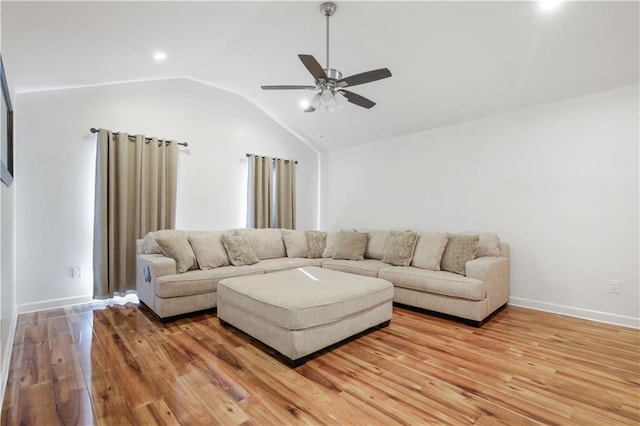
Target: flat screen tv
x=6 y=153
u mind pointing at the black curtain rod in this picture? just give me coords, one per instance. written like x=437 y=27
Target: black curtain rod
x=94 y=130
x=274 y=158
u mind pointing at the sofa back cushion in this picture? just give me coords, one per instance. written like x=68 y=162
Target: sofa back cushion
x=460 y=249
x=316 y=243
x=376 y=244
x=295 y=243
x=150 y=244
x=489 y=245
x=266 y=243
x=429 y=249
x=330 y=244
x=208 y=248
x=175 y=245
x=399 y=248
x=350 y=245
x=238 y=249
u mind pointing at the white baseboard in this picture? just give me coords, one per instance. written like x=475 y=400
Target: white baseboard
x=54 y=303
x=6 y=355
x=571 y=311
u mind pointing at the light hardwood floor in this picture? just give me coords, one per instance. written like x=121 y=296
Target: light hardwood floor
x=115 y=364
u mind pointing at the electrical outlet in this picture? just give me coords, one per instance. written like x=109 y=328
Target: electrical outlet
x=614 y=286
x=76 y=272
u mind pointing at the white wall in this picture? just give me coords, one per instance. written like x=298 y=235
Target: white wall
x=7 y=261
x=56 y=162
x=558 y=182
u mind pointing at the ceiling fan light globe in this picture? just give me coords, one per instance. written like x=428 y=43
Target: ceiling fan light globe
x=327 y=96
x=315 y=101
x=340 y=99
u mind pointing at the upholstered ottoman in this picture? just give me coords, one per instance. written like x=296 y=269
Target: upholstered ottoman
x=300 y=311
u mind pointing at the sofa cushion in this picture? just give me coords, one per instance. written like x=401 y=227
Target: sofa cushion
x=429 y=250
x=399 y=248
x=350 y=245
x=151 y=245
x=376 y=244
x=199 y=281
x=273 y=265
x=238 y=249
x=266 y=243
x=175 y=245
x=366 y=267
x=208 y=248
x=437 y=282
x=488 y=245
x=295 y=243
x=459 y=250
x=330 y=244
x=316 y=243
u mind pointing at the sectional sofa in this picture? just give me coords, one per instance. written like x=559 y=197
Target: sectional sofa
x=466 y=276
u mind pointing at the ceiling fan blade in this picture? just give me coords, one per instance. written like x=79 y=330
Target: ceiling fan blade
x=364 y=77
x=356 y=99
x=309 y=109
x=313 y=67
x=288 y=87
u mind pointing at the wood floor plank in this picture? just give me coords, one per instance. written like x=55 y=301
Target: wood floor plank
x=109 y=363
x=108 y=399
x=156 y=413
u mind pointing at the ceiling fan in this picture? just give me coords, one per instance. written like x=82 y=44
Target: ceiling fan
x=329 y=82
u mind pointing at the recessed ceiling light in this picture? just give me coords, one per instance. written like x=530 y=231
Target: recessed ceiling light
x=549 y=4
x=159 y=56
x=304 y=104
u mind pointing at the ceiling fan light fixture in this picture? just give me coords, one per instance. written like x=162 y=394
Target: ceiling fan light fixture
x=327 y=97
x=315 y=101
x=340 y=99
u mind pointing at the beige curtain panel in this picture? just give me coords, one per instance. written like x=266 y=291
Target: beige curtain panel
x=259 y=210
x=136 y=181
x=271 y=193
x=285 y=194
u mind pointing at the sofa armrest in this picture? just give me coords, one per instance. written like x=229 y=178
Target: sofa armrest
x=494 y=271
x=148 y=268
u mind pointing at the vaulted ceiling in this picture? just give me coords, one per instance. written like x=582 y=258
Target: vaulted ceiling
x=451 y=61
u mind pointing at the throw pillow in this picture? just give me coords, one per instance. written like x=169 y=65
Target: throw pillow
x=238 y=249
x=208 y=248
x=429 y=250
x=150 y=244
x=330 y=244
x=399 y=248
x=489 y=245
x=376 y=245
x=350 y=245
x=295 y=243
x=316 y=243
x=459 y=250
x=175 y=245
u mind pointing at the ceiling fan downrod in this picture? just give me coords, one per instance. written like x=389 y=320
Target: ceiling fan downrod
x=328 y=9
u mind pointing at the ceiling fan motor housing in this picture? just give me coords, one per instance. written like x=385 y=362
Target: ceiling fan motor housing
x=333 y=75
